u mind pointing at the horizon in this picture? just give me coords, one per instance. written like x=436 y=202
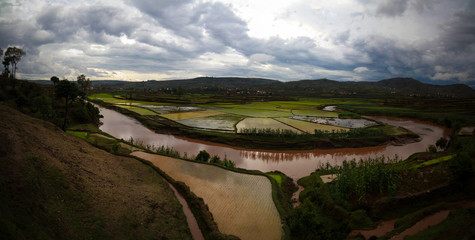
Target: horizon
x=289 y=41
x=184 y=79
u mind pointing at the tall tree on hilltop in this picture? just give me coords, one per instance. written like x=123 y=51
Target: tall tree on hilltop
x=84 y=84
x=55 y=80
x=12 y=57
x=70 y=92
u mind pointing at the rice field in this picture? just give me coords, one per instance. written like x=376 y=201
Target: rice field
x=241 y=204
x=139 y=110
x=223 y=122
x=263 y=123
x=347 y=123
x=109 y=98
x=252 y=112
x=314 y=113
x=164 y=109
x=309 y=127
x=188 y=115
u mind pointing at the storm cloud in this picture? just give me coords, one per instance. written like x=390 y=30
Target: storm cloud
x=290 y=40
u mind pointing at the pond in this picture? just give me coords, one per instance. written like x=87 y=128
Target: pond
x=294 y=163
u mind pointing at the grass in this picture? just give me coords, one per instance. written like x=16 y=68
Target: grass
x=309 y=127
x=434 y=161
x=277 y=178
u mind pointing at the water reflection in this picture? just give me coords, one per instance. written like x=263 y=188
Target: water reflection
x=295 y=164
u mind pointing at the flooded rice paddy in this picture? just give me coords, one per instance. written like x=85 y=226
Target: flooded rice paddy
x=310 y=127
x=263 y=123
x=339 y=122
x=241 y=204
x=294 y=163
x=224 y=122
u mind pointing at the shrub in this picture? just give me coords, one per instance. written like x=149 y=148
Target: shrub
x=203 y=156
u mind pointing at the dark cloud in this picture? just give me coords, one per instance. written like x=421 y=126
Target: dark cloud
x=459 y=34
x=391 y=8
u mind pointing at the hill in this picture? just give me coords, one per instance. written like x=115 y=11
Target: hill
x=195 y=83
x=56 y=186
x=395 y=87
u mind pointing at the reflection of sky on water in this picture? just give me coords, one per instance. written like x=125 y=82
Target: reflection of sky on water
x=295 y=164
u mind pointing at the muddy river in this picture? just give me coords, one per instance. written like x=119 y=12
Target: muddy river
x=294 y=163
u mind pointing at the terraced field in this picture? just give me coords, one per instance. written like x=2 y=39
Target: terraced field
x=189 y=115
x=241 y=204
x=223 y=122
x=263 y=123
x=309 y=127
x=139 y=110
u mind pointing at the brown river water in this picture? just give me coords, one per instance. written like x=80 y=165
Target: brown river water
x=294 y=163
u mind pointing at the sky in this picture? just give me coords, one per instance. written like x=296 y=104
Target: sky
x=344 y=40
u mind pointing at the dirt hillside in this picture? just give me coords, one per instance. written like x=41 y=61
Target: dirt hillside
x=56 y=186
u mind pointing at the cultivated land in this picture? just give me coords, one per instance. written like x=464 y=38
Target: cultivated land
x=241 y=204
x=57 y=186
x=267 y=122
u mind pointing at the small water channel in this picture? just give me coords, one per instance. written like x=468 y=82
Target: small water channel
x=294 y=163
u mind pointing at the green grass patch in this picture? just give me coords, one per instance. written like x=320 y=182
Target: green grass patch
x=277 y=178
x=78 y=134
x=434 y=161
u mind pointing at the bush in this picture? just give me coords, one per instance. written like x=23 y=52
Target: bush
x=203 y=156
x=432 y=148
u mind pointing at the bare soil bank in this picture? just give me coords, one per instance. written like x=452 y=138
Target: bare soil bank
x=56 y=186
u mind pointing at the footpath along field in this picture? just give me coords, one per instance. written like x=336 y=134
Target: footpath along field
x=241 y=204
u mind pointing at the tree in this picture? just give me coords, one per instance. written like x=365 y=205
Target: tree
x=69 y=91
x=55 y=80
x=441 y=143
x=84 y=84
x=12 y=57
x=203 y=156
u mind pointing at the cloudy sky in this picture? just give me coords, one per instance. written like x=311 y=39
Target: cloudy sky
x=346 y=40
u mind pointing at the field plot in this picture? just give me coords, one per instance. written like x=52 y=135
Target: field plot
x=255 y=109
x=188 y=115
x=164 y=109
x=347 y=123
x=139 y=110
x=224 y=122
x=109 y=98
x=309 y=127
x=241 y=204
x=314 y=113
x=263 y=123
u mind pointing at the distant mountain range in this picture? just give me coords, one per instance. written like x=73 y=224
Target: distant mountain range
x=319 y=87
